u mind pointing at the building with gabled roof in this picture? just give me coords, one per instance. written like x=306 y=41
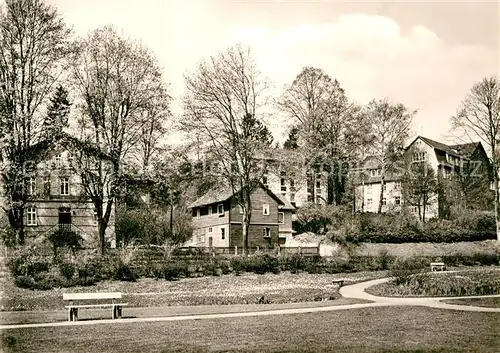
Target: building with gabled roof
x=217 y=220
x=450 y=162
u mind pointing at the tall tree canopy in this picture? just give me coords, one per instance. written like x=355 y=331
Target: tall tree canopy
x=479 y=117
x=223 y=108
x=121 y=93
x=330 y=128
x=389 y=125
x=33 y=46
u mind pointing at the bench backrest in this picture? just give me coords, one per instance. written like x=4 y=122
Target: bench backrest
x=89 y=296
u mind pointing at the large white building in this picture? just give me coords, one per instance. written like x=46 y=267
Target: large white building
x=447 y=162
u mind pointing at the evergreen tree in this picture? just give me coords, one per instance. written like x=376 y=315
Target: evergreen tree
x=292 y=142
x=57 y=113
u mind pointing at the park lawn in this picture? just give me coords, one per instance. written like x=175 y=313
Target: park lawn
x=247 y=288
x=470 y=282
x=482 y=302
x=387 y=329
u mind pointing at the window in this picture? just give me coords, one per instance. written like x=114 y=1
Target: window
x=204 y=211
x=264 y=177
x=58 y=160
x=65 y=186
x=265 y=209
x=210 y=229
x=397 y=200
x=292 y=185
x=46 y=185
x=369 y=188
x=32 y=186
x=198 y=213
x=419 y=156
x=266 y=232
x=281 y=218
x=414 y=209
x=209 y=211
x=318 y=184
x=369 y=203
x=283 y=185
x=223 y=233
x=201 y=238
x=220 y=209
x=309 y=198
x=31 y=216
x=397 y=185
x=292 y=197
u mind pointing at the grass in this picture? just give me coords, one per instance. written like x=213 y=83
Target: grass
x=429 y=249
x=228 y=289
x=482 y=302
x=484 y=281
x=389 y=329
x=33 y=317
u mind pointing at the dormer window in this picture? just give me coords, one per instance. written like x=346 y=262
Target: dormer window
x=265 y=209
x=58 y=160
x=32 y=186
x=220 y=210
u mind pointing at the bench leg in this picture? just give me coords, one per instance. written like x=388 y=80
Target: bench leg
x=73 y=314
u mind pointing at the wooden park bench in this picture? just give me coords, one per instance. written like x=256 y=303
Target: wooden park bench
x=88 y=300
x=438 y=266
x=338 y=282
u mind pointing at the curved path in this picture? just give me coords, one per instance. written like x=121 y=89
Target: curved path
x=350 y=291
x=358 y=291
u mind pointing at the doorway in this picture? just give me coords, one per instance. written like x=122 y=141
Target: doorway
x=65 y=219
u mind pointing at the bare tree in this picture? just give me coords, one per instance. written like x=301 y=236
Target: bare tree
x=223 y=109
x=389 y=126
x=420 y=185
x=330 y=127
x=479 y=116
x=33 y=45
x=118 y=82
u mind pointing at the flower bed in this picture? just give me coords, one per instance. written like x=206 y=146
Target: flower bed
x=465 y=283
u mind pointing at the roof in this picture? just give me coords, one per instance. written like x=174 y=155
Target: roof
x=286 y=204
x=217 y=195
x=214 y=195
x=466 y=149
x=438 y=146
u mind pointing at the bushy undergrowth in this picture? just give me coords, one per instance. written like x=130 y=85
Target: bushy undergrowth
x=470 y=283
x=344 y=227
x=31 y=270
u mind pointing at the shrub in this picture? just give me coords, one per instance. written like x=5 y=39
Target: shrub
x=385 y=259
x=27 y=282
x=403 y=270
x=263 y=263
x=67 y=270
x=295 y=263
x=174 y=270
x=239 y=264
x=125 y=272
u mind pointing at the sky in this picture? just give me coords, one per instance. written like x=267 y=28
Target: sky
x=426 y=55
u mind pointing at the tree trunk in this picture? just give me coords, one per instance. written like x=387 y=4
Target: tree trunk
x=171 y=218
x=382 y=183
x=497 y=221
x=16 y=221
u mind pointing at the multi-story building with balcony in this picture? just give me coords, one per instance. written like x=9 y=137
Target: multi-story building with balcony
x=453 y=165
